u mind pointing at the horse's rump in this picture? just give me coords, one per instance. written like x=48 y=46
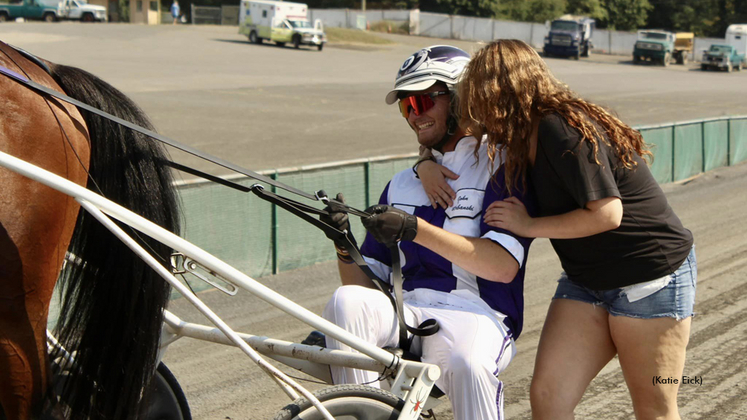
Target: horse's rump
x=36 y=225
x=112 y=302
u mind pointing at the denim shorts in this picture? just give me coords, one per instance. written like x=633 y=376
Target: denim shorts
x=675 y=300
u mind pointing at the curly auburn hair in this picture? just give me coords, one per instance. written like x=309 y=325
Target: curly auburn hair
x=506 y=87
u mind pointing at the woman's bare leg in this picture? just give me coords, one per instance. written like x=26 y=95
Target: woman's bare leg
x=651 y=348
x=574 y=346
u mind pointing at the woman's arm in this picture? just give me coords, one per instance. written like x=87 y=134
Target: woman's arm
x=598 y=216
x=433 y=177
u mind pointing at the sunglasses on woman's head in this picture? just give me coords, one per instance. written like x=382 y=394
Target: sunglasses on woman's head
x=419 y=103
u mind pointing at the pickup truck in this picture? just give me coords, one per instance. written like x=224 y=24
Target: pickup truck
x=51 y=10
x=29 y=10
x=81 y=10
x=721 y=56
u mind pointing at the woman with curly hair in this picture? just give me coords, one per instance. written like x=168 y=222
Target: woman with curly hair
x=628 y=285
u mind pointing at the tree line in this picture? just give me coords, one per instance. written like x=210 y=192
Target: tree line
x=703 y=17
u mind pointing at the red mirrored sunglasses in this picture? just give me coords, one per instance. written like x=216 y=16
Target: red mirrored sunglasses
x=419 y=103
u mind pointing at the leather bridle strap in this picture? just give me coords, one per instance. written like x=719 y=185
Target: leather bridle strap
x=304 y=212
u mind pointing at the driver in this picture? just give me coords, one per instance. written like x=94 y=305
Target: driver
x=457 y=270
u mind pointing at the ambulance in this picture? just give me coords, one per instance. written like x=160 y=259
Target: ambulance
x=282 y=22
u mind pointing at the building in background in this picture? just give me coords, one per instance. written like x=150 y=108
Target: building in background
x=145 y=11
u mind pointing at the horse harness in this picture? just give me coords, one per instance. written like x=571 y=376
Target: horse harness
x=34 y=59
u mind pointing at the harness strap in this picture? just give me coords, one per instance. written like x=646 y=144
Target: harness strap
x=428 y=327
x=301 y=210
x=209 y=177
x=31 y=57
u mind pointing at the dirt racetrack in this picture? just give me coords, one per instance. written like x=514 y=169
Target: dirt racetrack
x=264 y=107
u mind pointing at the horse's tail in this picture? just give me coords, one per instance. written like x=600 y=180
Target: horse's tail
x=112 y=301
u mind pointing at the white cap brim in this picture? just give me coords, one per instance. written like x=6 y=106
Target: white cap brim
x=393 y=95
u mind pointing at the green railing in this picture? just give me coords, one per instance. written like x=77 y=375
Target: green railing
x=260 y=239
x=684 y=149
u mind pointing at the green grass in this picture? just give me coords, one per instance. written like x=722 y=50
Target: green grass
x=391 y=27
x=356 y=36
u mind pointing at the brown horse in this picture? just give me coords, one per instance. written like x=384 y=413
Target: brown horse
x=112 y=302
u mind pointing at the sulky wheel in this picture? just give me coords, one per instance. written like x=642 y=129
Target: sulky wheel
x=165 y=400
x=346 y=402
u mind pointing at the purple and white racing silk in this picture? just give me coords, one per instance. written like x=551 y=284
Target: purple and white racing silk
x=475 y=189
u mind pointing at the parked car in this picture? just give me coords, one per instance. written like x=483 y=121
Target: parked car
x=722 y=56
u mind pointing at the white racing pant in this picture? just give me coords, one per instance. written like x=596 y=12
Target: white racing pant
x=471 y=347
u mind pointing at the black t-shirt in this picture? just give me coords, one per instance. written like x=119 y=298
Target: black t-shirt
x=650 y=241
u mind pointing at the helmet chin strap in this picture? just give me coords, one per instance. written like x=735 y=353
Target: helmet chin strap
x=451 y=128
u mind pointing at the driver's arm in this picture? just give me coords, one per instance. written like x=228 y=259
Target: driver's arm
x=336 y=217
x=479 y=256
x=351 y=274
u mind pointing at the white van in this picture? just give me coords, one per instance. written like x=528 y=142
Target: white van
x=281 y=22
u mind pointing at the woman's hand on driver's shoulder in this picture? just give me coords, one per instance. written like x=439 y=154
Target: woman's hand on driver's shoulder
x=511 y=215
x=434 y=177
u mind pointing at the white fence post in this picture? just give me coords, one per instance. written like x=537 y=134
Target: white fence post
x=415 y=22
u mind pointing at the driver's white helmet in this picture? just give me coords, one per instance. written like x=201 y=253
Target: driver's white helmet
x=438 y=63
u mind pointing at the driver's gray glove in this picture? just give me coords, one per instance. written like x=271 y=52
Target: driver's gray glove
x=390 y=225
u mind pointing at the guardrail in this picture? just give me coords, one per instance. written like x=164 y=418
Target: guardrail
x=684 y=149
x=258 y=239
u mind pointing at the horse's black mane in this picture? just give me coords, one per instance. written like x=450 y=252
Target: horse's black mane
x=125 y=168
